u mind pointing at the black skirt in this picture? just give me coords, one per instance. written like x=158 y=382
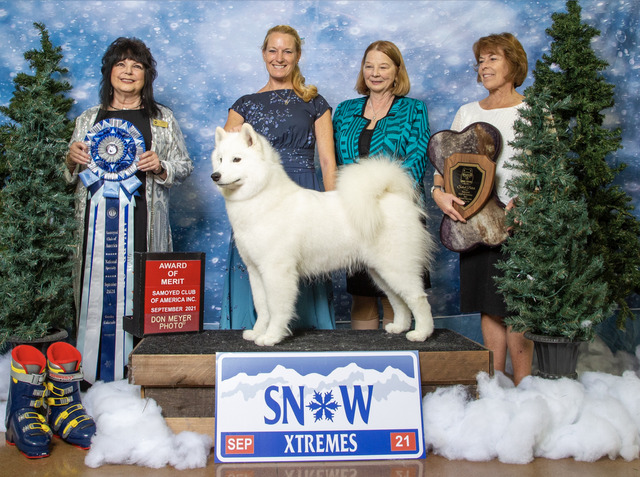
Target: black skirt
x=478 y=291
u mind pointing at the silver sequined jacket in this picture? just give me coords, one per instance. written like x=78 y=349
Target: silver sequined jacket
x=168 y=143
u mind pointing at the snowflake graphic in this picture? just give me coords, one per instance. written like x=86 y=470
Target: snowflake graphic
x=323 y=406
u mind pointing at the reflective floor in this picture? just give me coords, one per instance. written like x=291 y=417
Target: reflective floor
x=68 y=461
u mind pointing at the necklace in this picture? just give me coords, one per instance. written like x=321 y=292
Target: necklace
x=137 y=106
x=375 y=115
x=286 y=101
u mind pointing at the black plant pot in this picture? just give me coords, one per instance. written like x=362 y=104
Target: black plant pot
x=557 y=356
x=41 y=343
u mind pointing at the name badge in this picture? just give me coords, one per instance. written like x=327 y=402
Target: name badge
x=160 y=123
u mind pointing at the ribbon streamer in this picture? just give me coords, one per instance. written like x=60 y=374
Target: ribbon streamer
x=107 y=288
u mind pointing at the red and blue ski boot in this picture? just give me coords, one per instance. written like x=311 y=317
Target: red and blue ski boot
x=27 y=427
x=67 y=416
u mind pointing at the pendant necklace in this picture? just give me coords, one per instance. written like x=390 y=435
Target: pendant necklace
x=137 y=106
x=285 y=101
x=375 y=115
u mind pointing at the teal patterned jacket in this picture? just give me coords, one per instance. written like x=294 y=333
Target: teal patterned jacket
x=402 y=134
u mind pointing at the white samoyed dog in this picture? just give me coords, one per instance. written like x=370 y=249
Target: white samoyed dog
x=285 y=232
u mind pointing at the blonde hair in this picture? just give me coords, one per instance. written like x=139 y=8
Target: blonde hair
x=307 y=93
x=401 y=85
x=513 y=52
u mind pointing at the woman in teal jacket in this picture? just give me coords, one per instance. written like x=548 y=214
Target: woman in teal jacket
x=381 y=122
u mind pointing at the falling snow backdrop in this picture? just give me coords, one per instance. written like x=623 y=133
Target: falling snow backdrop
x=208 y=55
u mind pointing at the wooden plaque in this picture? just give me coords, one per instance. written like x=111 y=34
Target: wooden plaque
x=461 y=154
x=469 y=177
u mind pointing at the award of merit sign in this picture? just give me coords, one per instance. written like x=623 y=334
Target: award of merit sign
x=312 y=406
x=168 y=293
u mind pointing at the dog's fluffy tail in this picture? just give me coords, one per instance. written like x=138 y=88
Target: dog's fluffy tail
x=363 y=184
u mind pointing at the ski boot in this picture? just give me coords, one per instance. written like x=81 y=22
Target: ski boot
x=27 y=427
x=67 y=416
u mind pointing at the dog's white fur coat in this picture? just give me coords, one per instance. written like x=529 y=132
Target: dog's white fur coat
x=285 y=232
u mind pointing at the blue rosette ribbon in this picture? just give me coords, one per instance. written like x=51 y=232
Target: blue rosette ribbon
x=114 y=147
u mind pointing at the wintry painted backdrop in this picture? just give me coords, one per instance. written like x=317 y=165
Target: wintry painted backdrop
x=208 y=54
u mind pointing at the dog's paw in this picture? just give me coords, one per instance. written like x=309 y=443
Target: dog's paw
x=250 y=335
x=395 y=328
x=417 y=335
x=268 y=340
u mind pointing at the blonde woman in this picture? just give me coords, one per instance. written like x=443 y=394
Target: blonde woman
x=295 y=119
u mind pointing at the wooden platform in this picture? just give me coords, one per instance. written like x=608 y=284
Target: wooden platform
x=179 y=371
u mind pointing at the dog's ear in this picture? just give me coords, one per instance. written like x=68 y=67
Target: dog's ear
x=248 y=134
x=220 y=134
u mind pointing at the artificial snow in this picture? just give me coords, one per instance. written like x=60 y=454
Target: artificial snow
x=596 y=416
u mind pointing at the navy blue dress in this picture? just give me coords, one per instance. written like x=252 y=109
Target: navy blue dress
x=288 y=123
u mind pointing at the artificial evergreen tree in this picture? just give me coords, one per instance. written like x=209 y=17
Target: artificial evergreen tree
x=550 y=284
x=36 y=218
x=572 y=70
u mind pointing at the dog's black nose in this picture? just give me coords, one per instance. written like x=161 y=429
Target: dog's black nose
x=215 y=176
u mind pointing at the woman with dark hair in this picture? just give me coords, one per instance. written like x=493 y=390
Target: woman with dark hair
x=161 y=161
x=384 y=121
x=138 y=52
x=295 y=119
x=501 y=65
